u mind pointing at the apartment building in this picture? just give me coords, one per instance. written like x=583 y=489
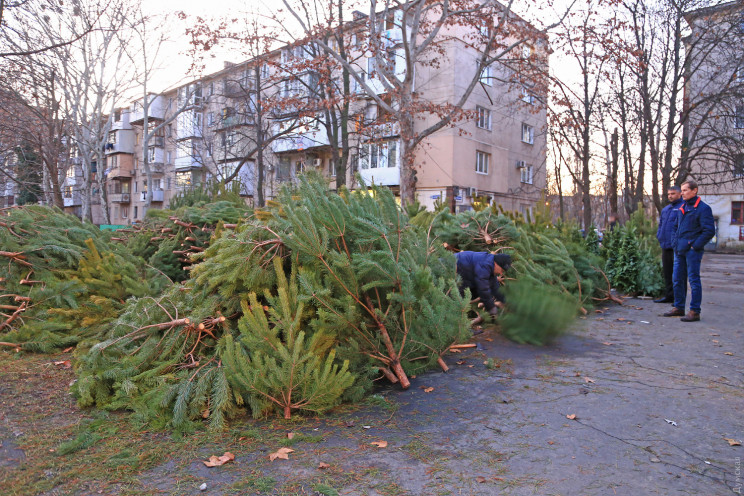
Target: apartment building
x=266 y=114
x=716 y=127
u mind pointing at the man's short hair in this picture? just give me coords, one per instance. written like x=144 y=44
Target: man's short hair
x=503 y=260
x=674 y=188
x=691 y=183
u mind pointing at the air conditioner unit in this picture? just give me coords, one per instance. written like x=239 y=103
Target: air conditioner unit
x=317 y=162
x=520 y=164
x=472 y=192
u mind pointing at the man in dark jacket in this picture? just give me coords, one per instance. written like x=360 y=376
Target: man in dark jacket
x=695 y=228
x=667 y=224
x=480 y=272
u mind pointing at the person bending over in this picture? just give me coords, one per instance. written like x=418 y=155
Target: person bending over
x=482 y=273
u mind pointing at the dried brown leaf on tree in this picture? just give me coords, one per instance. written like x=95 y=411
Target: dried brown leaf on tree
x=216 y=461
x=282 y=453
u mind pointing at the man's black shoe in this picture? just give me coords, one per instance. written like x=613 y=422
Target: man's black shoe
x=664 y=300
x=674 y=312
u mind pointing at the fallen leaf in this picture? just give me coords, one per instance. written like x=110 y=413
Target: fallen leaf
x=620 y=319
x=728 y=353
x=290 y=435
x=461 y=362
x=216 y=461
x=480 y=479
x=732 y=442
x=428 y=390
x=571 y=416
x=599 y=311
x=606 y=343
x=66 y=364
x=470 y=366
x=323 y=465
x=714 y=334
x=551 y=442
x=488 y=339
x=589 y=380
x=282 y=453
x=714 y=340
x=379 y=444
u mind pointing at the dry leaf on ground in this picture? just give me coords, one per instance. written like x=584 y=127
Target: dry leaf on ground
x=323 y=465
x=216 y=461
x=290 y=435
x=66 y=364
x=588 y=380
x=428 y=390
x=282 y=453
x=480 y=479
x=380 y=444
x=571 y=416
x=732 y=442
x=728 y=353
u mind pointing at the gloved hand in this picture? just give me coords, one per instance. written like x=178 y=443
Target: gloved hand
x=494 y=311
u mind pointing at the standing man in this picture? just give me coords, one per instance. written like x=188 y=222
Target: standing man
x=695 y=228
x=667 y=224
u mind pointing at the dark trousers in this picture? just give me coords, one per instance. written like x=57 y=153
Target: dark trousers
x=667 y=265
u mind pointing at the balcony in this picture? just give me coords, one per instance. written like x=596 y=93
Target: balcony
x=155 y=168
x=187 y=163
x=238 y=89
x=188 y=128
x=119 y=148
x=119 y=197
x=156 y=110
x=123 y=122
x=235 y=120
x=120 y=171
x=388 y=176
x=313 y=138
x=156 y=156
x=157 y=195
x=72 y=201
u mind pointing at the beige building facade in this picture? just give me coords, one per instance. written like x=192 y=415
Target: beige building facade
x=715 y=131
x=209 y=128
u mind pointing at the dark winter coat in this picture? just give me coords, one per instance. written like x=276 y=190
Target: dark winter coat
x=695 y=226
x=476 y=271
x=668 y=223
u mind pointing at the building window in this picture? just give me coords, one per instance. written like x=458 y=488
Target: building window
x=526 y=174
x=528 y=134
x=183 y=179
x=135 y=211
x=378 y=155
x=210 y=119
x=210 y=90
x=332 y=167
x=482 y=160
x=168 y=183
x=739 y=118
x=483 y=120
x=124 y=212
x=737 y=213
x=528 y=97
x=169 y=156
x=169 y=130
x=739 y=165
x=486 y=76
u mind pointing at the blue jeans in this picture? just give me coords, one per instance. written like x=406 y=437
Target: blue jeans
x=687 y=266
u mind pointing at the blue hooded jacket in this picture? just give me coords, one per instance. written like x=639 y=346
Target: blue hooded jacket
x=476 y=270
x=695 y=226
x=668 y=223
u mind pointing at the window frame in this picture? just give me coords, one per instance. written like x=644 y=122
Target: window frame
x=482 y=162
x=483 y=117
x=737 y=207
x=530 y=134
x=527 y=174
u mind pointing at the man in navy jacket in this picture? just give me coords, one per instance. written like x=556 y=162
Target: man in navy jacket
x=480 y=272
x=667 y=225
x=695 y=228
